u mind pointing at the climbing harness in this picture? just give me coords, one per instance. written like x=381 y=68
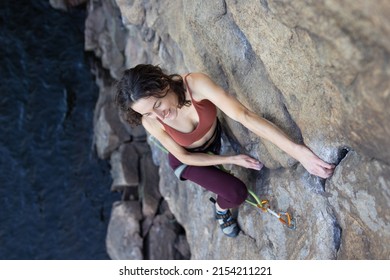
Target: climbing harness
x=262 y=205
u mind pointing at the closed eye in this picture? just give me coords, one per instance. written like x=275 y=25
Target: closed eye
x=157 y=104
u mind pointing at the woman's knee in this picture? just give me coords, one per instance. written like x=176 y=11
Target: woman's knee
x=237 y=192
x=233 y=196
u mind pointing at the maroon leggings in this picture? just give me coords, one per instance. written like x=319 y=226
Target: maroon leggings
x=231 y=191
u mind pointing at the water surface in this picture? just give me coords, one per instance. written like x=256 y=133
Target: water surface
x=55 y=198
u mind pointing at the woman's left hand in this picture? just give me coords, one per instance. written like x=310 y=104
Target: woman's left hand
x=314 y=165
x=247 y=162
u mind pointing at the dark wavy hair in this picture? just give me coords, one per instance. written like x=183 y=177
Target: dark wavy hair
x=144 y=81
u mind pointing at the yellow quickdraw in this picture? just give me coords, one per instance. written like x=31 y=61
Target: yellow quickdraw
x=284 y=217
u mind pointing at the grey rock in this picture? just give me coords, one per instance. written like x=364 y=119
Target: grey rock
x=109 y=132
x=360 y=191
x=123 y=239
x=148 y=186
x=125 y=167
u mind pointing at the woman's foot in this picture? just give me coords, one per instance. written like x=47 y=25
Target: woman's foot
x=226 y=221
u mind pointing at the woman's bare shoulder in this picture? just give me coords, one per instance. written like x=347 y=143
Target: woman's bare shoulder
x=196 y=78
x=199 y=83
x=152 y=125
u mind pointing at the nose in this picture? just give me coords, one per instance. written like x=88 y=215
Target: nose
x=159 y=114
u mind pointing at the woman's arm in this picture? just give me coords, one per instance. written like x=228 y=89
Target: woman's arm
x=196 y=159
x=204 y=88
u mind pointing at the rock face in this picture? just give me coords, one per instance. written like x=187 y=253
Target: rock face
x=317 y=69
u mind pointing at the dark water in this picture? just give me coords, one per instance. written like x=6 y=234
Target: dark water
x=55 y=201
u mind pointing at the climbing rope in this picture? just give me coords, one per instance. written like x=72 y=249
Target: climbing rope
x=262 y=205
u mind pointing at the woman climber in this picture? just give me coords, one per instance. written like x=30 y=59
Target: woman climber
x=181 y=113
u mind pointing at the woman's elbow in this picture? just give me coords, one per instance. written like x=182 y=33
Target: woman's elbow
x=184 y=157
x=244 y=116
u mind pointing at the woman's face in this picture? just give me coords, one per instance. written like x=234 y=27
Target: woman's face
x=164 y=108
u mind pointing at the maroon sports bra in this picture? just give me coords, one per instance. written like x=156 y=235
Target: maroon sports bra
x=207 y=113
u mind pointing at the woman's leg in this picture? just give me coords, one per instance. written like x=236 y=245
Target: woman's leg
x=231 y=191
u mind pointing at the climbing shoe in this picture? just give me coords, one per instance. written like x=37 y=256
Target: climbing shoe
x=227 y=222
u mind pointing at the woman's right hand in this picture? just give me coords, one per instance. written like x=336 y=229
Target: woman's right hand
x=313 y=164
x=247 y=162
